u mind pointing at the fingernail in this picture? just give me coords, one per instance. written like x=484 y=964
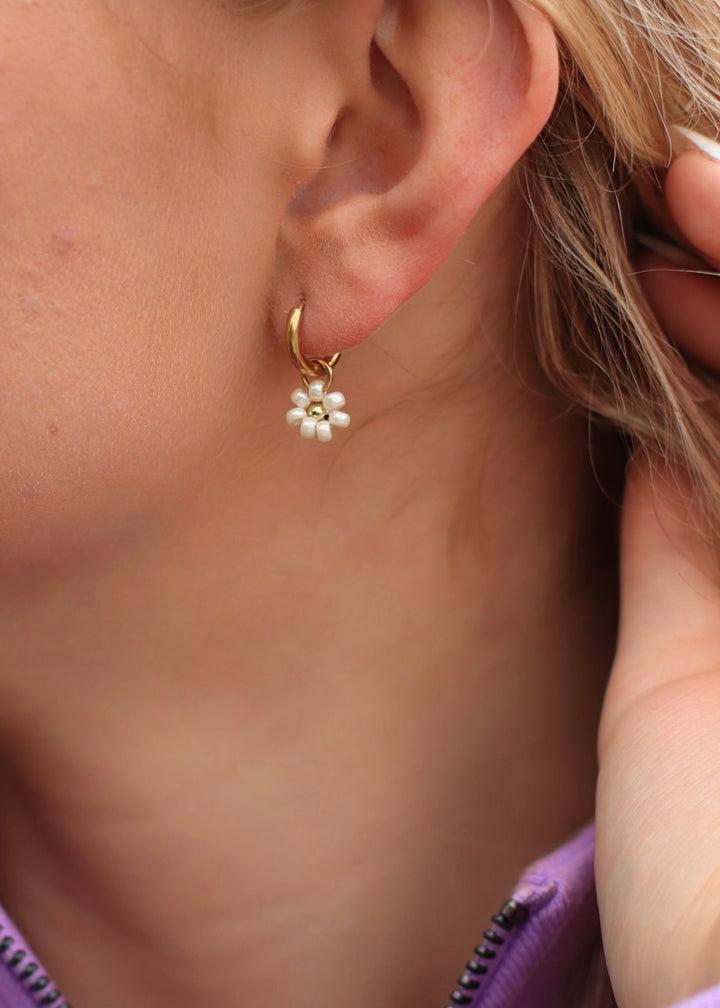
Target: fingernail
x=692 y=139
x=673 y=253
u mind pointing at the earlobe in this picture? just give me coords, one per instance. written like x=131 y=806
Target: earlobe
x=455 y=91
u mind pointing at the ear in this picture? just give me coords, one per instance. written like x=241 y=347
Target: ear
x=452 y=93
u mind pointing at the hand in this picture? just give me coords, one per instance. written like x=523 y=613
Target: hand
x=658 y=819
x=687 y=301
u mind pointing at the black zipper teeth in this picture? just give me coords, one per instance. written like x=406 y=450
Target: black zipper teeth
x=485 y=957
x=29 y=973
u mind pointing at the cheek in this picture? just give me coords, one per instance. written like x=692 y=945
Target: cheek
x=130 y=266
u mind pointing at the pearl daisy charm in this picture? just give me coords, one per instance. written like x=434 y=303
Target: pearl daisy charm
x=316 y=411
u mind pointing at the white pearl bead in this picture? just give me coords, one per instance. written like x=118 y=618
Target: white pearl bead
x=339 y=419
x=334 y=401
x=316 y=390
x=308 y=428
x=295 y=416
x=324 y=431
x=300 y=398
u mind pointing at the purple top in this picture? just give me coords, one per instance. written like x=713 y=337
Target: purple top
x=537 y=946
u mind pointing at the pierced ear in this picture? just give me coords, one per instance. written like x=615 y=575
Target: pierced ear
x=454 y=92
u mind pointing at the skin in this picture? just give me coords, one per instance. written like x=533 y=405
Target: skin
x=236 y=666
x=250 y=685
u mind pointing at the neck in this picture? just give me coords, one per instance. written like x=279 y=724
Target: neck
x=263 y=736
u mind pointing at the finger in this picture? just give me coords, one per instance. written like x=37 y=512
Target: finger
x=692 y=193
x=669 y=593
x=687 y=303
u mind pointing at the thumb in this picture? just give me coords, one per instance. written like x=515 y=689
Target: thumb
x=669 y=593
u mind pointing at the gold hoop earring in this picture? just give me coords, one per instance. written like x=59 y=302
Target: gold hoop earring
x=316 y=410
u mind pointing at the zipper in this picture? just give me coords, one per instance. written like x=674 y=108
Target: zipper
x=485 y=958
x=488 y=953
x=30 y=974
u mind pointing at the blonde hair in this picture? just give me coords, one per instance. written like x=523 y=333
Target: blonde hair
x=630 y=70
